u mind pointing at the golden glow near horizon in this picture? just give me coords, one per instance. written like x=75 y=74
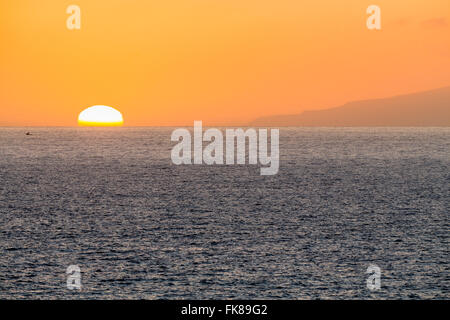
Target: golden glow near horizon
x=100 y=116
x=224 y=62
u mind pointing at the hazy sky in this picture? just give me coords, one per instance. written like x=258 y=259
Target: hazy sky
x=174 y=61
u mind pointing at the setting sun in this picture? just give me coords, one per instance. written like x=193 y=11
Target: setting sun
x=100 y=116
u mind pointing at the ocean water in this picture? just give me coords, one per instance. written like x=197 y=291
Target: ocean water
x=110 y=201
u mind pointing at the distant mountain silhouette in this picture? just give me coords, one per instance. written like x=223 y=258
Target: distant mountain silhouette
x=429 y=108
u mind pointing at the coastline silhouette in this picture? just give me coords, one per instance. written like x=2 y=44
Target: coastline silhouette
x=423 y=109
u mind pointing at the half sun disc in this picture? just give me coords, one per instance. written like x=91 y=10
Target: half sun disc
x=100 y=116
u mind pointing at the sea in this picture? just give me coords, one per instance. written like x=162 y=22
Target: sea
x=111 y=202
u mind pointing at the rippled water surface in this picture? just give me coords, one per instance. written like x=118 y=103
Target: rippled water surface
x=111 y=201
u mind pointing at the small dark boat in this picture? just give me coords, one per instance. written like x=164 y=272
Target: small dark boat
x=28 y=134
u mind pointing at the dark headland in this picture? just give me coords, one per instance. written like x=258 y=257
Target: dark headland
x=422 y=109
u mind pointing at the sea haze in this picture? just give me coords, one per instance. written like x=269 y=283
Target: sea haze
x=110 y=201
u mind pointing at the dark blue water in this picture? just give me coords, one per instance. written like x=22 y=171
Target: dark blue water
x=111 y=202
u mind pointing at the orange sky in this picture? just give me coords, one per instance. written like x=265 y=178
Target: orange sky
x=221 y=61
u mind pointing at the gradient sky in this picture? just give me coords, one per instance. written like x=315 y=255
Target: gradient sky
x=221 y=61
